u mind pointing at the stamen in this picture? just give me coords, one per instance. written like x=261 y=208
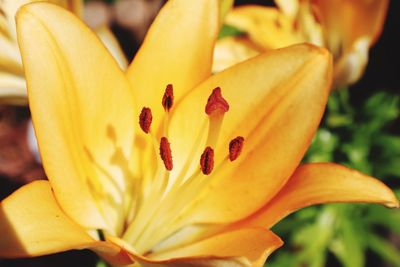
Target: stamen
x=145 y=119
x=216 y=103
x=165 y=153
x=207 y=161
x=168 y=98
x=296 y=25
x=235 y=148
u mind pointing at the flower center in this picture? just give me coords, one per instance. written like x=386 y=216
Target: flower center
x=160 y=213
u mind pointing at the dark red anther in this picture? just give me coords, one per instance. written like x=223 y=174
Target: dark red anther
x=216 y=103
x=168 y=98
x=145 y=119
x=165 y=153
x=207 y=161
x=235 y=148
x=277 y=23
x=296 y=25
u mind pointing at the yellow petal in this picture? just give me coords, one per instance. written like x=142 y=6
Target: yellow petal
x=289 y=7
x=32 y=224
x=244 y=247
x=232 y=50
x=12 y=89
x=10 y=8
x=82 y=110
x=225 y=6
x=4 y=25
x=177 y=50
x=10 y=60
x=276 y=102
x=318 y=183
x=109 y=40
x=267 y=27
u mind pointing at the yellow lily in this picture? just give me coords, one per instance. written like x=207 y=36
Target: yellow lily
x=165 y=165
x=346 y=28
x=12 y=81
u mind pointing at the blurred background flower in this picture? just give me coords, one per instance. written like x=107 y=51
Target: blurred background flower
x=347 y=28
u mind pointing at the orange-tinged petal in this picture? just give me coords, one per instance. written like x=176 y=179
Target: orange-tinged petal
x=317 y=183
x=177 y=50
x=350 y=66
x=232 y=50
x=349 y=45
x=366 y=18
x=243 y=247
x=266 y=26
x=83 y=139
x=32 y=224
x=276 y=103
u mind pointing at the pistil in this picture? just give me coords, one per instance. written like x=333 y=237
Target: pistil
x=215 y=109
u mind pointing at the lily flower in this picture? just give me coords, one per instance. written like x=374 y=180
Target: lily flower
x=346 y=28
x=12 y=81
x=164 y=164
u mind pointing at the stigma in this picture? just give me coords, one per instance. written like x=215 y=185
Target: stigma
x=216 y=103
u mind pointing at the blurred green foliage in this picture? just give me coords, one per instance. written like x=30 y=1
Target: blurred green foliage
x=101 y=263
x=228 y=30
x=350 y=235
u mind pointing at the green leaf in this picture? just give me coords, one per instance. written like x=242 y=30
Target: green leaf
x=384 y=249
x=315 y=239
x=349 y=246
x=322 y=147
x=365 y=137
x=388 y=218
x=101 y=263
